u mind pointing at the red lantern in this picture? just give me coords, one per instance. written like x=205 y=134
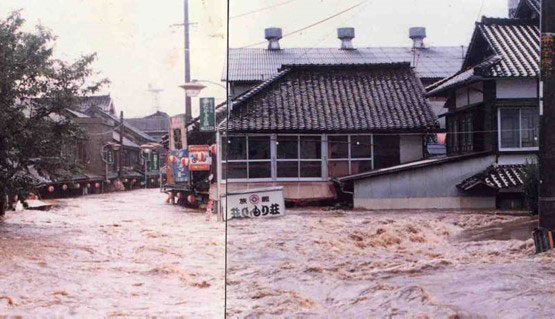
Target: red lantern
x=213 y=149
x=172 y=158
x=50 y=189
x=64 y=187
x=201 y=156
x=152 y=180
x=179 y=195
x=125 y=180
x=88 y=185
x=97 y=185
x=77 y=185
x=108 y=182
x=185 y=161
x=191 y=199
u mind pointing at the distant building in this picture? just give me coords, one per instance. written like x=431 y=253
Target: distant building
x=155 y=125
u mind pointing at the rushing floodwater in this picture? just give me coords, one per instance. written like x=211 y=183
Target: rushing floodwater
x=387 y=265
x=112 y=255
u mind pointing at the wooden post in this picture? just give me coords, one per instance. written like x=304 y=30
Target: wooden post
x=547 y=116
x=120 y=164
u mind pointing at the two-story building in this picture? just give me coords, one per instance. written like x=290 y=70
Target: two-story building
x=492 y=122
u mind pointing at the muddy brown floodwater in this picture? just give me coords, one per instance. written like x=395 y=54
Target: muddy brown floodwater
x=387 y=265
x=118 y=255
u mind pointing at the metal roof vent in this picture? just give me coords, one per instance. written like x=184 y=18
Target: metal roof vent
x=417 y=34
x=272 y=35
x=346 y=35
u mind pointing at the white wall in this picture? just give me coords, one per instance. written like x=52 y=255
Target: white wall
x=517 y=88
x=517 y=159
x=411 y=148
x=470 y=94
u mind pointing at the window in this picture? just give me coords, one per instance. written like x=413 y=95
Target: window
x=298 y=157
x=247 y=157
x=349 y=154
x=518 y=128
x=460 y=133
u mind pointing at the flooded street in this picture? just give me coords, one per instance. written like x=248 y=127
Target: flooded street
x=120 y=255
x=387 y=265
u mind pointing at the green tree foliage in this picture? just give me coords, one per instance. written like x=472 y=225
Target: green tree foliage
x=36 y=90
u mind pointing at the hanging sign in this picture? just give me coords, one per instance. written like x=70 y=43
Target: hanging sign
x=199 y=158
x=207 y=114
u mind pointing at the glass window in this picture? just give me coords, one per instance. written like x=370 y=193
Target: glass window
x=260 y=169
x=530 y=123
x=338 y=146
x=288 y=169
x=338 y=168
x=310 y=147
x=361 y=166
x=361 y=146
x=235 y=148
x=287 y=147
x=311 y=169
x=510 y=133
x=234 y=170
x=259 y=147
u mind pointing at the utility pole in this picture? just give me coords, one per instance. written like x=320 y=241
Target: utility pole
x=547 y=116
x=188 y=114
x=120 y=164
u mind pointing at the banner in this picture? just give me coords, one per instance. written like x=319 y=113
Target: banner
x=207 y=114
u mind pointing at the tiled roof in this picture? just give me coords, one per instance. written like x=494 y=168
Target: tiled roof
x=255 y=64
x=126 y=142
x=125 y=123
x=497 y=177
x=515 y=44
x=518 y=44
x=526 y=8
x=104 y=102
x=369 y=98
x=158 y=121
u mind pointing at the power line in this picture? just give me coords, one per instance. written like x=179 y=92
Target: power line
x=261 y=9
x=312 y=25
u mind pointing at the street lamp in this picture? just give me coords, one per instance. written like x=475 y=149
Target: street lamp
x=193 y=88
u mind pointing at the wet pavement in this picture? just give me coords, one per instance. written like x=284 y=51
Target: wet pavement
x=387 y=265
x=117 y=255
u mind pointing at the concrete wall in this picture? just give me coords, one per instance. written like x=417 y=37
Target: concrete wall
x=470 y=95
x=517 y=89
x=411 y=148
x=423 y=188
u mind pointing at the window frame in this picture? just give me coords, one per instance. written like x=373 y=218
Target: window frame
x=324 y=159
x=499 y=130
x=350 y=157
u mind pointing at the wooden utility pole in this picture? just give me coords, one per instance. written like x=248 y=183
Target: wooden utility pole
x=547 y=113
x=188 y=111
x=120 y=164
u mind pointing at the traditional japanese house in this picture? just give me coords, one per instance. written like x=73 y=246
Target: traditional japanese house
x=156 y=125
x=492 y=117
x=309 y=124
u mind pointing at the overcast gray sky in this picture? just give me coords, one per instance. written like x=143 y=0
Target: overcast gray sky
x=137 y=44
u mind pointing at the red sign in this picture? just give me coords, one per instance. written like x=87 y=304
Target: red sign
x=199 y=158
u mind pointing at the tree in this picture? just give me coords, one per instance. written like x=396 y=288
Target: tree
x=36 y=91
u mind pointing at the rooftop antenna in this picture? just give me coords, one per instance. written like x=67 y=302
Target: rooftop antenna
x=156 y=95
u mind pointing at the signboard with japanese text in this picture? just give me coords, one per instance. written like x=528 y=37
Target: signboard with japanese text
x=178 y=137
x=199 y=158
x=255 y=203
x=176 y=168
x=207 y=114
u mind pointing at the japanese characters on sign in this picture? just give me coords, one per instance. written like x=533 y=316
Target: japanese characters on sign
x=267 y=202
x=207 y=114
x=199 y=158
x=176 y=168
